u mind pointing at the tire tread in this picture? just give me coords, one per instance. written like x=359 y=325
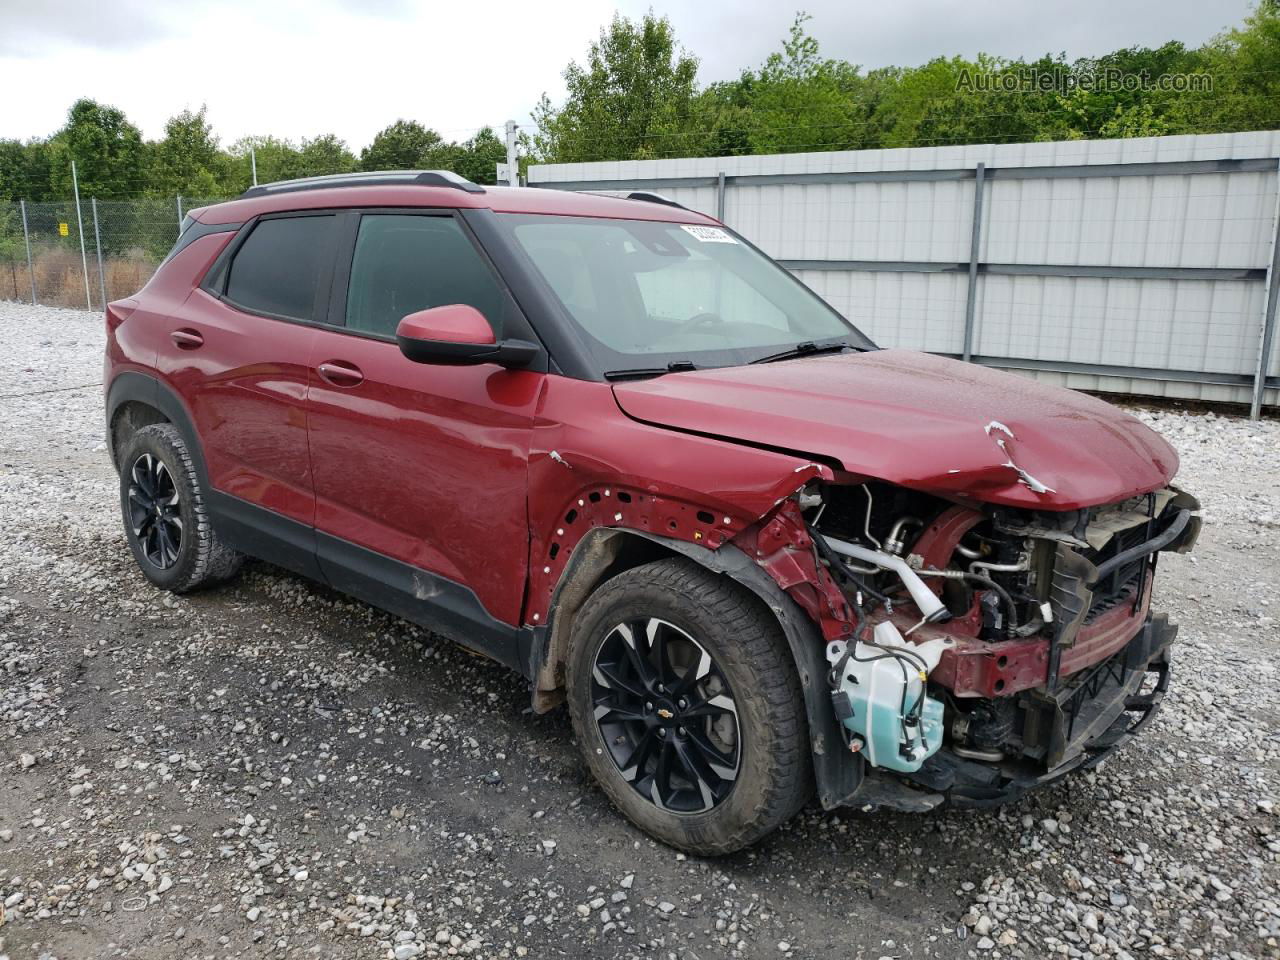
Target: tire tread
x=758 y=649
x=212 y=561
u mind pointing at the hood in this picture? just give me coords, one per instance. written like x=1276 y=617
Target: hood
x=923 y=422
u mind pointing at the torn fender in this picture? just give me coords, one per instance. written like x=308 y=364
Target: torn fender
x=591 y=466
x=838 y=774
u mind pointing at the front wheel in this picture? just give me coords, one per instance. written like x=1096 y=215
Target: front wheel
x=687 y=705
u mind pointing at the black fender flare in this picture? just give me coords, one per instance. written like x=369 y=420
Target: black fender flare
x=142 y=388
x=837 y=772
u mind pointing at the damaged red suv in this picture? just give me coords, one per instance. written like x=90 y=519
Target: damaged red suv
x=610 y=444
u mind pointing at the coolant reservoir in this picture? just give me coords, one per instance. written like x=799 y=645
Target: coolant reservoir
x=880 y=697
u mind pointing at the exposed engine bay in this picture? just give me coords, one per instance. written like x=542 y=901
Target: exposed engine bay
x=991 y=648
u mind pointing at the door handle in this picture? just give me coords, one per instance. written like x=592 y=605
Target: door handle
x=187 y=339
x=340 y=374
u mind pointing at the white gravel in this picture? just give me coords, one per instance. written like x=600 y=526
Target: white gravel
x=269 y=769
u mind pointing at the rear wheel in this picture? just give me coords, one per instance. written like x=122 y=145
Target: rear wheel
x=165 y=518
x=686 y=702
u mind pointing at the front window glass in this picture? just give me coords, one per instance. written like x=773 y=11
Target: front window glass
x=650 y=294
x=404 y=263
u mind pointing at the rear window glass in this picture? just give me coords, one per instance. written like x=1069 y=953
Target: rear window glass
x=276 y=269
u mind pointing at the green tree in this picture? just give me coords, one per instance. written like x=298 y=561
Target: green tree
x=1245 y=66
x=24 y=170
x=477 y=158
x=325 y=154
x=276 y=159
x=405 y=145
x=725 y=111
x=107 y=149
x=800 y=101
x=634 y=98
x=187 y=161
x=14 y=279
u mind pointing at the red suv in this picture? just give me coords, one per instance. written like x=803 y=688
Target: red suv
x=609 y=443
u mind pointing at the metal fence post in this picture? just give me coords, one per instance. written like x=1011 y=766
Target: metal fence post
x=26 y=238
x=84 y=260
x=1267 y=339
x=97 y=245
x=513 y=161
x=253 y=166
x=179 y=214
x=720 y=196
x=979 y=179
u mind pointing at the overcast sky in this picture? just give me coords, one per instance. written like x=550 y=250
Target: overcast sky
x=298 y=69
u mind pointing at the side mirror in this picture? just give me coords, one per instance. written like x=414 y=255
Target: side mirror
x=458 y=335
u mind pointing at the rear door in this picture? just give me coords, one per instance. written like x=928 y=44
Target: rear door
x=420 y=470
x=239 y=354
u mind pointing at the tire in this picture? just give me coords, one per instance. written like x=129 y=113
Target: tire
x=165 y=518
x=743 y=793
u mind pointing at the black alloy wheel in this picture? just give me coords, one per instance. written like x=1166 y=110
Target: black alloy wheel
x=667 y=715
x=155 y=511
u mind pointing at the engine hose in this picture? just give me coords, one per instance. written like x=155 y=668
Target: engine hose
x=1003 y=594
x=836 y=563
x=987 y=582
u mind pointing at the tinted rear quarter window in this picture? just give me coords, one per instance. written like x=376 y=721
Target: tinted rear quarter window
x=276 y=269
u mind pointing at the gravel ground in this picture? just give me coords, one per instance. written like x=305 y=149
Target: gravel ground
x=269 y=769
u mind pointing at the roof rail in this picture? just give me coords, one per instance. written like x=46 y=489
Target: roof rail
x=649 y=197
x=421 y=178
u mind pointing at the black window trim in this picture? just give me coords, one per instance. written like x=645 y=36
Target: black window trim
x=336 y=273
x=348 y=232
x=215 y=281
x=193 y=230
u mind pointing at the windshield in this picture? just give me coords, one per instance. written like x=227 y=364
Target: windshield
x=650 y=295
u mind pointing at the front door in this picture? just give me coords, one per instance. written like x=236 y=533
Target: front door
x=420 y=470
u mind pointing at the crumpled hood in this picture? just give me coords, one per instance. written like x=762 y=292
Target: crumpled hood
x=923 y=422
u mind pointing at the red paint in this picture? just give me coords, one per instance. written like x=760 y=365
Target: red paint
x=918 y=421
x=676 y=485
x=426 y=464
x=782 y=546
x=491 y=477
x=455 y=323
x=937 y=542
x=244 y=389
x=975 y=668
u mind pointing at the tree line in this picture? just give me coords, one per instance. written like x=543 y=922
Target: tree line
x=114 y=162
x=636 y=96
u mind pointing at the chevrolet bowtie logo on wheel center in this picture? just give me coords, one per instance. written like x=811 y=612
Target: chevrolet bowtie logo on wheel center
x=664 y=713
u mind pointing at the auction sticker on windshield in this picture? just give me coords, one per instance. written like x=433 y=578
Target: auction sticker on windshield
x=707 y=234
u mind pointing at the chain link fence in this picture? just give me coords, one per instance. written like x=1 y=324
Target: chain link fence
x=52 y=255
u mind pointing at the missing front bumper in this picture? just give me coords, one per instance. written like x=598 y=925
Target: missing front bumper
x=1073 y=728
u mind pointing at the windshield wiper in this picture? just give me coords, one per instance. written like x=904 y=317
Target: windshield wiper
x=640 y=373
x=805 y=349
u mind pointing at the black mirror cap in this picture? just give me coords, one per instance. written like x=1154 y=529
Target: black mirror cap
x=506 y=353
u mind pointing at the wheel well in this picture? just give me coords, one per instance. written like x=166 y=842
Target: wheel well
x=128 y=418
x=600 y=556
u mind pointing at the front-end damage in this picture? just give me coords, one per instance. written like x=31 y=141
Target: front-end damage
x=992 y=589
x=1030 y=652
